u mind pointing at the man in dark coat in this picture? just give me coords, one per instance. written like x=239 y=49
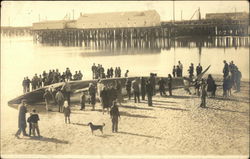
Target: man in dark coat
x=203 y=94
x=238 y=79
x=191 y=70
x=198 y=69
x=128 y=88
x=153 y=82
x=114 y=115
x=24 y=84
x=170 y=81
x=225 y=69
x=28 y=84
x=22 y=109
x=149 y=90
x=162 y=84
x=59 y=100
x=143 y=88
x=92 y=93
x=104 y=99
x=136 y=88
x=66 y=88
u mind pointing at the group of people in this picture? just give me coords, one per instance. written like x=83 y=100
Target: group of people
x=231 y=78
x=98 y=72
x=53 y=76
x=177 y=70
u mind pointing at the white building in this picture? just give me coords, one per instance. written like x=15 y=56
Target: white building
x=119 y=20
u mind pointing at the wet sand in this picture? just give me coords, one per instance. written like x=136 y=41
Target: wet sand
x=173 y=126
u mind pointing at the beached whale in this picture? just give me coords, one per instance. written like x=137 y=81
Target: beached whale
x=36 y=96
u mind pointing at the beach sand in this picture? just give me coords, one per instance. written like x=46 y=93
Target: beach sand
x=173 y=126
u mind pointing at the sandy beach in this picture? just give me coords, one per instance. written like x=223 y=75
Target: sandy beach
x=173 y=126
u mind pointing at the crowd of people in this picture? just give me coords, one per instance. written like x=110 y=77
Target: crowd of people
x=98 y=72
x=53 y=76
x=110 y=93
x=178 y=70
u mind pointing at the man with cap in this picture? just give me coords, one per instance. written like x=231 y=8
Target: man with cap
x=22 y=109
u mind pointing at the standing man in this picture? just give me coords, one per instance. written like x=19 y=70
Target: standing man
x=114 y=115
x=67 y=90
x=92 y=93
x=191 y=70
x=59 y=100
x=149 y=90
x=238 y=79
x=79 y=75
x=225 y=69
x=128 y=88
x=143 y=88
x=181 y=68
x=28 y=84
x=198 y=69
x=162 y=84
x=170 y=84
x=47 y=97
x=135 y=86
x=126 y=74
x=22 y=109
x=174 y=71
x=203 y=94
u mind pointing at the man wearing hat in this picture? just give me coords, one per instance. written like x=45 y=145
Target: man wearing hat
x=22 y=109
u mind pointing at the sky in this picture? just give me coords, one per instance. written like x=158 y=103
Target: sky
x=24 y=13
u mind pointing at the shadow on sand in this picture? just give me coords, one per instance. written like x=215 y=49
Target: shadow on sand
x=141 y=135
x=134 y=115
x=133 y=107
x=171 y=108
x=226 y=110
x=79 y=124
x=46 y=139
x=104 y=136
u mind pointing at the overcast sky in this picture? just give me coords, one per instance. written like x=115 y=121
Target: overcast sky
x=24 y=13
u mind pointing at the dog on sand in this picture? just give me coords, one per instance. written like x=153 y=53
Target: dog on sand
x=96 y=127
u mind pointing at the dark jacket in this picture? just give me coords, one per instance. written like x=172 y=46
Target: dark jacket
x=22 y=116
x=34 y=118
x=114 y=112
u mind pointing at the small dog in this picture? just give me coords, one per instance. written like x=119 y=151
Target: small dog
x=96 y=127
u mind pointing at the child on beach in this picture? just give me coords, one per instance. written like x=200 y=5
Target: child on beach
x=30 y=125
x=82 y=101
x=66 y=111
x=34 y=117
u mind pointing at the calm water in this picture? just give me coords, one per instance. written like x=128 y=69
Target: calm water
x=21 y=57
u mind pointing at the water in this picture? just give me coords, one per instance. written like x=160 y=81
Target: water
x=21 y=57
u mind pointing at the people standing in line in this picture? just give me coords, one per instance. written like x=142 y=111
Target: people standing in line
x=170 y=84
x=47 y=97
x=162 y=84
x=66 y=111
x=114 y=115
x=149 y=90
x=126 y=74
x=135 y=86
x=24 y=84
x=174 y=71
x=143 y=88
x=82 y=100
x=181 y=68
x=92 y=93
x=119 y=92
x=128 y=88
x=22 y=110
x=225 y=69
x=66 y=88
x=34 y=118
x=59 y=100
x=191 y=70
x=203 y=94
x=198 y=69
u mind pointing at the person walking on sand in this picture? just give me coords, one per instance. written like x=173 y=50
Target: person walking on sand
x=59 y=100
x=114 y=115
x=203 y=94
x=149 y=90
x=135 y=86
x=162 y=84
x=128 y=88
x=34 y=118
x=92 y=93
x=47 y=97
x=22 y=110
x=170 y=83
x=82 y=100
x=66 y=111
